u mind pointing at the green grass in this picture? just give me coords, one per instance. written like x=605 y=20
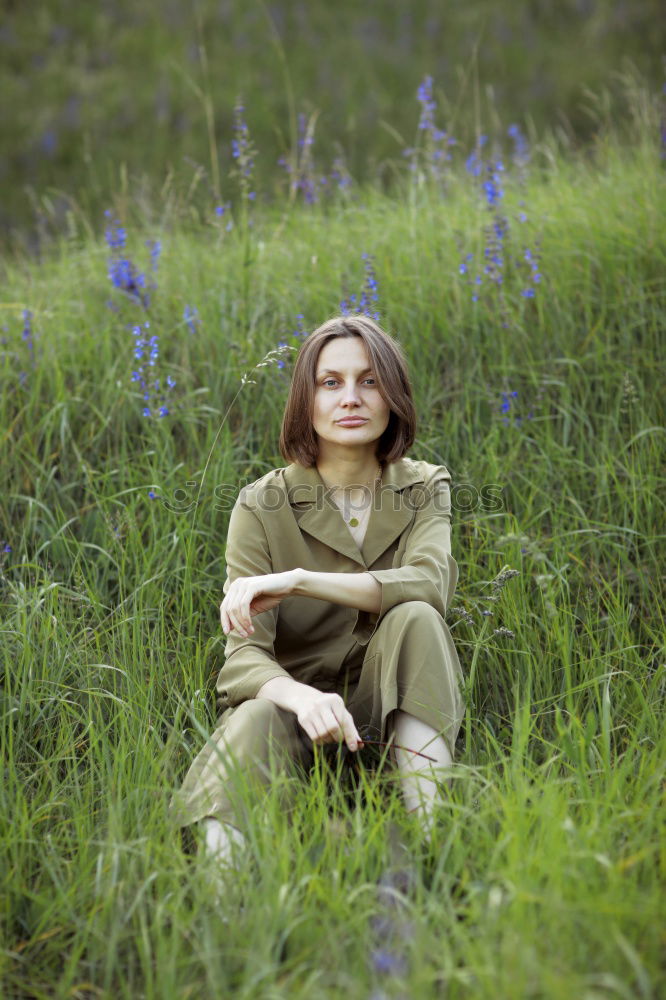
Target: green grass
x=546 y=874
x=125 y=93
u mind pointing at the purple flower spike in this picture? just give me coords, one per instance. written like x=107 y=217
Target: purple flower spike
x=369 y=293
x=436 y=141
x=191 y=317
x=243 y=152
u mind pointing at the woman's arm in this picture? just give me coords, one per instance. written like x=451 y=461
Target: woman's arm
x=353 y=590
x=323 y=716
x=249 y=659
x=427 y=570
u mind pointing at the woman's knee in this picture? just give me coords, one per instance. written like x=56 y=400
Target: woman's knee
x=257 y=722
x=261 y=730
x=413 y=613
x=261 y=711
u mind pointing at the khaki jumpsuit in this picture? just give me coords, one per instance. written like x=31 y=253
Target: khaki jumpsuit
x=401 y=658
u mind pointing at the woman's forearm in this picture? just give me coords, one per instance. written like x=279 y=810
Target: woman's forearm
x=286 y=693
x=353 y=590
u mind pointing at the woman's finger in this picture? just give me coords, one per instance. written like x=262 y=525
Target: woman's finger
x=235 y=601
x=332 y=724
x=323 y=735
x=349 y=732
x=224 y=616
x=240 y=606
x=312 y=732
x=236 y=622
x=245 y=614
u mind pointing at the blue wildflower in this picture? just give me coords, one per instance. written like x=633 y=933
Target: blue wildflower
x=49 y=142
x=369 y=293
x=243 y=152
x=115 y=235
x=348 y=306
x=521 y=152
x=473 y=163
x=424 y=95
x=122 y=272
x=388 y=963
x=155 y=248
x=508 y=406
x=191 y=317
x=340 y=174
x=27 y=336
x=492 y=186
x=146 y=351
x=506 y=400
x=305 y=136
x=436 y=140
x=27 y=333
x=301 y=168
x=300 y=330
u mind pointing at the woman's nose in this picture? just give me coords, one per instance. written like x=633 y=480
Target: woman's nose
x=350 y=394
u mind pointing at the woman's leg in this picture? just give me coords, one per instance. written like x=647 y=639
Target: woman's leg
x=418 y=776
x=234 y=768
x=409 y=688
x=221 y=840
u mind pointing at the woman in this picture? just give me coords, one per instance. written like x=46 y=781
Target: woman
x=339 y=574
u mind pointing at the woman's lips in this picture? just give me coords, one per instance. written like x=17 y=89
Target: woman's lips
x=352 y=422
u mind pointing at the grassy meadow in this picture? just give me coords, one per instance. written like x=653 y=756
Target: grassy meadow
x=146 y=88
x=532 y=314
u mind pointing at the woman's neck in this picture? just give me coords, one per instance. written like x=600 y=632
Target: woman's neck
x=350 y=474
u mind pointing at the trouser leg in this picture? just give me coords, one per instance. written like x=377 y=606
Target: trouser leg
x=411 y=665
x=254 y=741
x=409 y=693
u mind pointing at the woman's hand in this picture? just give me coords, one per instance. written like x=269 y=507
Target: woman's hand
x=250 y=595
x=326 y=720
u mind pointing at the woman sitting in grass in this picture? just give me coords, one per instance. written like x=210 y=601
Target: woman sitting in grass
x=339 y=574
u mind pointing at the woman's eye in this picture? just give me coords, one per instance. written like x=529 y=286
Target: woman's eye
x=329 y=380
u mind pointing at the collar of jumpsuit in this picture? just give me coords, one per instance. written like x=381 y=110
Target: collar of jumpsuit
x=391 y=512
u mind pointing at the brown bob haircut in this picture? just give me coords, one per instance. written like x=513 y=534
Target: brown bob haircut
x=298 y=440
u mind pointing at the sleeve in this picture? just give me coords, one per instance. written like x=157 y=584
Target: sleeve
x=424 y=569
x=250 y=662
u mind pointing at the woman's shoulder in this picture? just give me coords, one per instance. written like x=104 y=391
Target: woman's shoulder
x=419 y=471
x=264 y=491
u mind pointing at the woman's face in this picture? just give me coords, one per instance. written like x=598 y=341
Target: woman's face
x=347 y=387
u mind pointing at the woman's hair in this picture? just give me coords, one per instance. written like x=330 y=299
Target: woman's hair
x=298 y=440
